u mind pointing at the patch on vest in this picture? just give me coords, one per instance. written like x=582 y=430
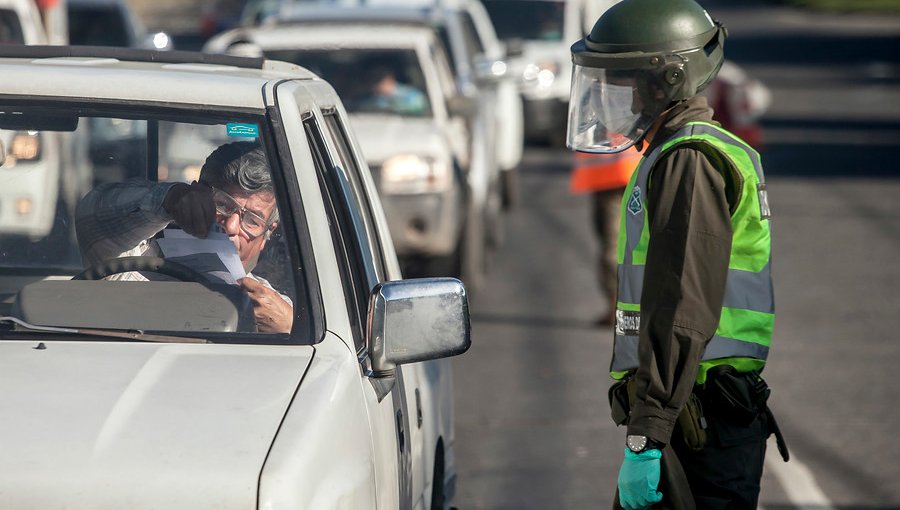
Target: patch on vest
x=635 y=204
x=628 y=323
x=764 y=211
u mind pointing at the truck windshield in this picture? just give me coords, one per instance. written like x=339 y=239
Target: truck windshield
x=537 y=20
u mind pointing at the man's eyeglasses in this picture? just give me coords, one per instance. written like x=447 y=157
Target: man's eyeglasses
x=252 y=224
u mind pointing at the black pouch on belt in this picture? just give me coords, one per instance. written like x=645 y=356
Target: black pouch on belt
x=739 y=396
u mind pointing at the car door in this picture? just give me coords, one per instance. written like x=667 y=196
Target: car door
x=415 y=454
x=361 y=263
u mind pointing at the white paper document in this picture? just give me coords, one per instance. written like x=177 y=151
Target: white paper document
x=177 y=244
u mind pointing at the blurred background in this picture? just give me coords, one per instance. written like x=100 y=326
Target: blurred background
x=814 y=85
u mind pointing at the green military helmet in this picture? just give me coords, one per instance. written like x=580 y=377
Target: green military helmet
x=640 y=57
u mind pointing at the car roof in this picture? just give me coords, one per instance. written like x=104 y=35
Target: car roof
x=97 y=3
x=411 y=14
x=140 y=76
x=335 y=34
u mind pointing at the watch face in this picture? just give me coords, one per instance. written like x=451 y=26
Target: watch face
x=636 y=443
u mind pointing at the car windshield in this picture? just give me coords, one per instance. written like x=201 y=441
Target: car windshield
x=537 y=20
x=91 y=25
x=387 y=81
x=82 y=192
x=10 y=28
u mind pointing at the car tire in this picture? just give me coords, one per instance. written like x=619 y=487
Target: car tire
x=438 y=498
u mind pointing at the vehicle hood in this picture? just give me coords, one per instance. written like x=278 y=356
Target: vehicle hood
x=383 y=136
x=126 y=425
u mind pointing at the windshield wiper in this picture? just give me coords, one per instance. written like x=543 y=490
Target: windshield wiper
x=131 y=334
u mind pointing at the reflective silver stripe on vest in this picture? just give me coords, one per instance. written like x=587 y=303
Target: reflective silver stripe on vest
x=750 y=291
x=724 y=347
x=625 y=351
x=706 y=129
x=631 y=279
x=634 y=222
x=743 y=289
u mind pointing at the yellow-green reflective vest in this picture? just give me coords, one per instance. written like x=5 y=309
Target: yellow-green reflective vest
x=744 y=334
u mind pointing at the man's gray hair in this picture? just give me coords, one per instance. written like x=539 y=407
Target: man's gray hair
x=242 y=165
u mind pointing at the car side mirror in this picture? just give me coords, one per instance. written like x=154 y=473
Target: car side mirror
x=416 y=320
x=461 y=106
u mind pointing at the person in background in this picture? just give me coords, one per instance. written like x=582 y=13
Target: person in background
x=605 y=176
x=387 y=94
x=234 y=191
x=695 y=306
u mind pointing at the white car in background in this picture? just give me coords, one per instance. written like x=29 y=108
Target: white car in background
x=33 y=191
x=538 y=35
x=479 y=63
x=162 y=394
x=20 y=23
x=420 y=157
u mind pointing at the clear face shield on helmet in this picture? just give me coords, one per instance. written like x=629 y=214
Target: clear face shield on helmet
x=610 y=110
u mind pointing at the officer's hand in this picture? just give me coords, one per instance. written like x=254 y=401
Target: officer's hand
x=273 y=314
x=639 y=479
x=191 y=207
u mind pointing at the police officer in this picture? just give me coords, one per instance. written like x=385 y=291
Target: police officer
x=695 y=307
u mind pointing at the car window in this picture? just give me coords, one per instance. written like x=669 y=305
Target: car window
x=473 y=42
x=348 y=231
x=97 y=26
x=444 y=36
x=349 y=164
x=540 y=20
x=445 y=75
x=81 y=192
x=10 y=28
x=386 y=81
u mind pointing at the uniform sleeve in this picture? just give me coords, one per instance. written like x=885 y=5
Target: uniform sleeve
x=113 y=218
x=684 y=285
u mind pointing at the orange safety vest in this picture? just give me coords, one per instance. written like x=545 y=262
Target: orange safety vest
x=598 y=172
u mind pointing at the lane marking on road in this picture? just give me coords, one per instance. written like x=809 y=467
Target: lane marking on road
x=798 y=483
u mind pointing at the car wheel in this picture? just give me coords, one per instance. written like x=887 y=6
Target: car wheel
x=437 y=481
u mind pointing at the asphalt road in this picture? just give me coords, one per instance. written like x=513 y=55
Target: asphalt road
x=533 y=429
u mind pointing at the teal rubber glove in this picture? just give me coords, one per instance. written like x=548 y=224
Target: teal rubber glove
x=639 y=479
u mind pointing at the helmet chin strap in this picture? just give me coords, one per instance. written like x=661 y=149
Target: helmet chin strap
x=654 y=127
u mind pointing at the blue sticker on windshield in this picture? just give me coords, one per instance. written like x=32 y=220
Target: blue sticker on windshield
x=241 y=129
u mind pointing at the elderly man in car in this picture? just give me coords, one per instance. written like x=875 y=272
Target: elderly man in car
x=235 y=191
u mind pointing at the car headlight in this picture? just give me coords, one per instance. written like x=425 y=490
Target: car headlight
x=542 y=74
x=409 y=173
x=24 y=206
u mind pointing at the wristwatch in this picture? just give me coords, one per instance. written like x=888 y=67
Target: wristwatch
x=637 y=444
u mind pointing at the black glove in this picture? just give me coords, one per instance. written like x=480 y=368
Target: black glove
x=191 y=207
